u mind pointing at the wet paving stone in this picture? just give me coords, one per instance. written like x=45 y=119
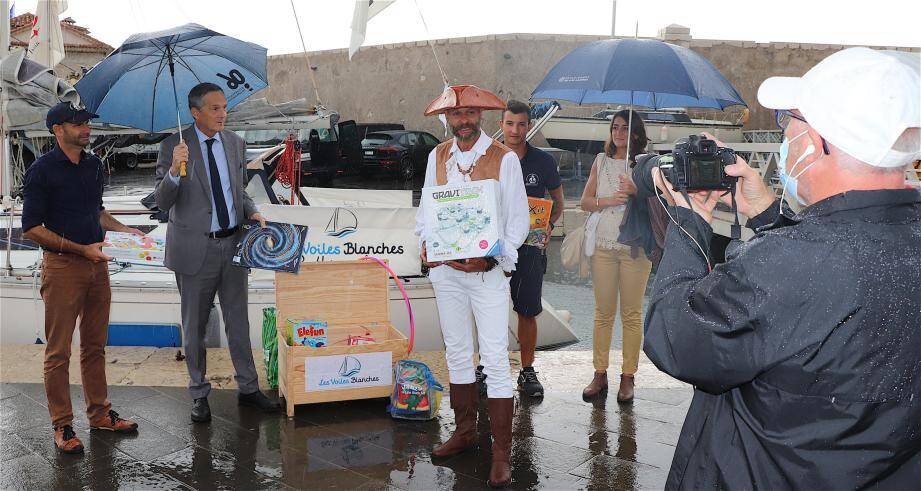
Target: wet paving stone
x=674 y=397
x=149 y=443
x=27 y=472
x=416 y=473
x=607 y=472
x=8 y=390
x=12 y=448
x=20 y=411
x=665 y=413
x=200 y=468
x=559 y=442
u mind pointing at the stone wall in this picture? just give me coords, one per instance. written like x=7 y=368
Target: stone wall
x=394 y=83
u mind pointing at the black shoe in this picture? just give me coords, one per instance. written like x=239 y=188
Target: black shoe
x=258 y=400
x=481 y=380
x=201 y=411
x=528 y=383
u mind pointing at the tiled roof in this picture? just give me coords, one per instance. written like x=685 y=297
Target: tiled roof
x=87 y=43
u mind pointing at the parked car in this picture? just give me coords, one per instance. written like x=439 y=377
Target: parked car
x=128 y=151
x=324 y=153
x=398 y=151
x=365 y=128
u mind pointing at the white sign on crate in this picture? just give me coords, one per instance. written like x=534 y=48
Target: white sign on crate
x=348 y=371
x=461 y=220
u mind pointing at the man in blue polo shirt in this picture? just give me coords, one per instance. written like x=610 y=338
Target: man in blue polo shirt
x=539 y=170
x=63 y=212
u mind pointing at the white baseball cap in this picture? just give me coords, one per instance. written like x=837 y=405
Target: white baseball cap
x=859 y=99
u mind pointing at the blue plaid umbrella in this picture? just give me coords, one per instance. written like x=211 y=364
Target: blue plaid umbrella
x=140 y=83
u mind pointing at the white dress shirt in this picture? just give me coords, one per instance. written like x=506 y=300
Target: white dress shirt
x=514 y=220
x=217 y=148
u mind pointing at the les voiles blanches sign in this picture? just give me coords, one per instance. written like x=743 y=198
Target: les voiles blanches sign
x=348 y=233
x=348 y=371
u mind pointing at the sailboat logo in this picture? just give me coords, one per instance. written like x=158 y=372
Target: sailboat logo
x=342 y=224
x=350 y=366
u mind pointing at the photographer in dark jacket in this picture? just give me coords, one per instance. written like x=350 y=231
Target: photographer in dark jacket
x=804 y=346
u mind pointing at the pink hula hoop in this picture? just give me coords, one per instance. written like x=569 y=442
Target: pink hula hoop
x=409 y=307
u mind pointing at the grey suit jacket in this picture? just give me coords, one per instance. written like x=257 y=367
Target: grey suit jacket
x=189 y=202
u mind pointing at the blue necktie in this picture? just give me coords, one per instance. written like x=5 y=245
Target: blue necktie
x=220 y=206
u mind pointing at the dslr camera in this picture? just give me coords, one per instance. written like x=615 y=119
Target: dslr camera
x=698 y=165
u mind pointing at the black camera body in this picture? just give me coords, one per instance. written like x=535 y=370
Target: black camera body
x=698 y=165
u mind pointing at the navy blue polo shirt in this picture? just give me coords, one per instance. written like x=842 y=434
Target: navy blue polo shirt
x=64 y=197
x=538 y=168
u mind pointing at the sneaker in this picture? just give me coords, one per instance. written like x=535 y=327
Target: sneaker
x=113 y=422
x=528 y=383
x=66 y=440
x=481 y=380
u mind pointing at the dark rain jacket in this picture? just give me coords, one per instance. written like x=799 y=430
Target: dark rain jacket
x=804 y=348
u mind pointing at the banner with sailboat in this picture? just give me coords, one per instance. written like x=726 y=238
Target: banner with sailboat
x=346 y=233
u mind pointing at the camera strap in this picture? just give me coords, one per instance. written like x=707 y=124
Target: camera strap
x=735 y=230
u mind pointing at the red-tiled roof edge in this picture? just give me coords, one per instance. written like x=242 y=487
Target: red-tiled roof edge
x=24 y=21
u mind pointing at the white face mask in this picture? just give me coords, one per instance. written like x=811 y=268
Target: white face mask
x=786 y=177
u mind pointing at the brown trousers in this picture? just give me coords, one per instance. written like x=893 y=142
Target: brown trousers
x=72 y=287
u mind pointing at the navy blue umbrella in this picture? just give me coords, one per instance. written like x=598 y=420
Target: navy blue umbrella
x=141 y=83
x=640 y=72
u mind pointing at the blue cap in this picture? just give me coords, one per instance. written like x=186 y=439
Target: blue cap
x=67 y=112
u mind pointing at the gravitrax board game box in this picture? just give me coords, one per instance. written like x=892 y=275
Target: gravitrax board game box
x=461 y=220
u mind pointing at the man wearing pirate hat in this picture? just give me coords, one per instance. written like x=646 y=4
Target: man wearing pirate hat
x=477 y=289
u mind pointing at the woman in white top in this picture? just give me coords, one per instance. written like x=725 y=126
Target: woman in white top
x=617 y=270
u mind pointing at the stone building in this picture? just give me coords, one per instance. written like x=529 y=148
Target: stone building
x=80 y=49
x=394 y=82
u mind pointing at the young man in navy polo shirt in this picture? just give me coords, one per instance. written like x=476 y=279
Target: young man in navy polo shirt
x=62 y=212
x=540 y=175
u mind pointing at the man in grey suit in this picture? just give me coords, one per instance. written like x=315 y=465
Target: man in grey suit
x=206 y=208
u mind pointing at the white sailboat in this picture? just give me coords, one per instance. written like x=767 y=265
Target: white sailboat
x=147 y=296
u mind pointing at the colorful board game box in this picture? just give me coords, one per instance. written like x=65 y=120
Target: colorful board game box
x=539 y=209
x=461 y=220
x=130 y=248
x=308 y=333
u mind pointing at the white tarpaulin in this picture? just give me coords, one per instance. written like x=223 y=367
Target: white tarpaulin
x=346 y=234
x=358 y=198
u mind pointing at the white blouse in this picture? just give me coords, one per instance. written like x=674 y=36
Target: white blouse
x=608 y=173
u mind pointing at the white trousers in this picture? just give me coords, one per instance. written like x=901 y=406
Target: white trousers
x=463 y=298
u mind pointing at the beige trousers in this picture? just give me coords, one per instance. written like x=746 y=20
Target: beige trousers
x=616 y=274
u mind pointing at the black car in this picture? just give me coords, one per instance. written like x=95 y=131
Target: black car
x=397 y=151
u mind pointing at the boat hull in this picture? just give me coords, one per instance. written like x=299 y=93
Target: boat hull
x=150 y=296
x=588 y=135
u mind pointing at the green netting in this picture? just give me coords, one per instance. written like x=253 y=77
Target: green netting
x=270 y=346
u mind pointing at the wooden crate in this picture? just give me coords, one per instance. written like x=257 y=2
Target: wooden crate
x=352 y=297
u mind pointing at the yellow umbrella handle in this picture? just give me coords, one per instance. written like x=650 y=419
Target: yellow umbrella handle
x=181 y=169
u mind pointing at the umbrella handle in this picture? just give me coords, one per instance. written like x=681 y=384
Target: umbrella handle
x=181 y=163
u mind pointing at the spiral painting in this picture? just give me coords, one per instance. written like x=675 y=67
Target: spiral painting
x=275 y=247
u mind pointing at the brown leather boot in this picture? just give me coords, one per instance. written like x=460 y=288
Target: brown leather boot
x=66 y=440
x=598 y=385
x=500 y=423
x=464 y=399
x=625 y=392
